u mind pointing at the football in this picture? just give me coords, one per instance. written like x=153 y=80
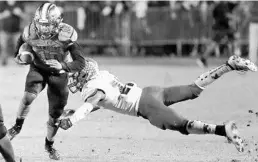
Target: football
x=25 y=55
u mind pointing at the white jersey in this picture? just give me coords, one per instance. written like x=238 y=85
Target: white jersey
x=125 y=103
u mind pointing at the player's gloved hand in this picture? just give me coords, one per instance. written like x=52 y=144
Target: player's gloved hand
x=65 y=123
x=54 y=64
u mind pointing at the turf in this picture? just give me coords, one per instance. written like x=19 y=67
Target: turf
x=105 y=136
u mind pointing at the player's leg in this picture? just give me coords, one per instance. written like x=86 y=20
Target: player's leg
x=57 y=96
x=6 y=148
x=35 y=83
x=164 y=118
x=180 y=93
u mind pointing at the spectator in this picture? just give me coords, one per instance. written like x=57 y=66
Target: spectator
x=11 y=13
x=140 y=9
x=224 y=29
x=253 y=32
x=242 y=14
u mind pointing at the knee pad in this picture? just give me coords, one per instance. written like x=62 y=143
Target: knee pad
x=56 y=113
x=28 y=98
x=3 y=130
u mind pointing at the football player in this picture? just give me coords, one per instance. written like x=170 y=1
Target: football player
x=51 y=41
x=6 y=148
x=100 y=88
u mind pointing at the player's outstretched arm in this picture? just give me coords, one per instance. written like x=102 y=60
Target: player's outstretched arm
x=89 y=106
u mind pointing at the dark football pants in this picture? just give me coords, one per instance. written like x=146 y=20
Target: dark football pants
x=154 y=104
x=57 y=90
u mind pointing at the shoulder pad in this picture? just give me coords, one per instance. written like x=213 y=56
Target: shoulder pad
x=29 y=32
x=67 y=33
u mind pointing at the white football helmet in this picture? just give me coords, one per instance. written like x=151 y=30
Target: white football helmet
x=47 y=19
x=78 y=79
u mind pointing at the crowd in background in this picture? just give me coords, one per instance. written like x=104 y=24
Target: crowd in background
x=180 y=28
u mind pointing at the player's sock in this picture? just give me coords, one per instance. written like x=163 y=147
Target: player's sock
x=220 y=130
x=51 y=132
x=51 y=129
x=199 y=127
x=24 y=106
x=53 y=153
x=48 y=142
x=23 y=111
x=209 y=77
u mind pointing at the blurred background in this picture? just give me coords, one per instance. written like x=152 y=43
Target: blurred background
x=143 y=28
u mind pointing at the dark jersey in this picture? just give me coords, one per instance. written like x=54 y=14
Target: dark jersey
x=11 y=23
x=220 y=12
x=58 y=48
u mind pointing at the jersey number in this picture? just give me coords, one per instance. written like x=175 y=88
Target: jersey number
x=127 y=88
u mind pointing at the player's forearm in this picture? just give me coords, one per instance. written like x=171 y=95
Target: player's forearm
x=20 y=41
x=78 y=62
x=81 y=112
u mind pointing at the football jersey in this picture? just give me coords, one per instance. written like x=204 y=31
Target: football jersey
x=53 y=48
x=115 y=99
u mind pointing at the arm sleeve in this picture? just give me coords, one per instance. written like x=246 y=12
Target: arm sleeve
x=20 y=41
x=78 y=62
x=81 y=112
x=86 y=108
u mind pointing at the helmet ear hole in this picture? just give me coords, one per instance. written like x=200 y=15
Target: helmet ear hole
x=84 y=75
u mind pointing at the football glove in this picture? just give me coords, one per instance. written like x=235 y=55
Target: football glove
x=65 y=123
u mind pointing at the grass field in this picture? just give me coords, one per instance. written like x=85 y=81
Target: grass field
x=105 y=136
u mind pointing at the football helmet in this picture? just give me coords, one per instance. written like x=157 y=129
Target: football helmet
x=47 y=19
x=78 y=79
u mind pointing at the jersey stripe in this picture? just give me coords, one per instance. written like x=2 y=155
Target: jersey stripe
x=72 y=34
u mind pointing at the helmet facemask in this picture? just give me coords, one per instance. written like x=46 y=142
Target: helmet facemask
x=78 y=79
x=73 y=83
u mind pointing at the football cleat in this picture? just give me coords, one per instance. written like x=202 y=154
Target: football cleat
x=14 y=131
x=241 y=64
x=52 y=152
x=233 y=137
